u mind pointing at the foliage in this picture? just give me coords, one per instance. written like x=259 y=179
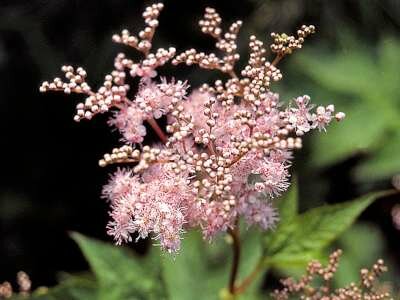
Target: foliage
x=302 y=237
x=200 y=271
x=364 y=82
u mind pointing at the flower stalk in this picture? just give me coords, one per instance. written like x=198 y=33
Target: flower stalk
x=161 y=135
x=234 y=233
x=234 y=287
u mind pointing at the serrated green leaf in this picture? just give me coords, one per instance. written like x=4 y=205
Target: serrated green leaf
x=297 y=243
x=120 y=274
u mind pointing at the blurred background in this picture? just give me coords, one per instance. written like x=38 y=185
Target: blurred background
x=51 y=183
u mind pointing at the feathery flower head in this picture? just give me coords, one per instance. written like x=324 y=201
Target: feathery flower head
x=227 y=147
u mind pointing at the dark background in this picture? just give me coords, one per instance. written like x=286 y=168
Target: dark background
x=50 y=180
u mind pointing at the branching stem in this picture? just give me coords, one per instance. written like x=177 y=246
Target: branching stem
x=277 y=59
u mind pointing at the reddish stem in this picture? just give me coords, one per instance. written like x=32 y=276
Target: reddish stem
x=158 y=130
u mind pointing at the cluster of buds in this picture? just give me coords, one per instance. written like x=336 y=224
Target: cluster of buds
x=143 y=43
x=285 y=44
x=304 y=288
x=76 y=82
x=215 y=139
x=123 y=154
x=225 y=42
x=24 y=286
x=368 y=277
x=257 y=74
x=111 y=93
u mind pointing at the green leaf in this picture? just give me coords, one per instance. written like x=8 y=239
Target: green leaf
x=296 y=243
x=120 y=274
x=389 y=61
x=200 y=271
x=185 y=274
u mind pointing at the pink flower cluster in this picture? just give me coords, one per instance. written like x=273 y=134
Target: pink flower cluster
x=227 y=147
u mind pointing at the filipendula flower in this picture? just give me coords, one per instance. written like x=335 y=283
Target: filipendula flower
x=227 y=147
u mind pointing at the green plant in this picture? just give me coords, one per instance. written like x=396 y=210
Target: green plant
x=200 y=271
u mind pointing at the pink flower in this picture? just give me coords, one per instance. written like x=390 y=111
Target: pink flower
x=170 y=226
x=259 y=212
x=227 y=126
x=157 y=207
x=274 y=177
x=243 y=168
x=151 y=100
x=216 y=219
x=145 y=72
x=119 y=185
x=129 y=121
x=300 y=117
x=322 y=117
x=121 y=226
